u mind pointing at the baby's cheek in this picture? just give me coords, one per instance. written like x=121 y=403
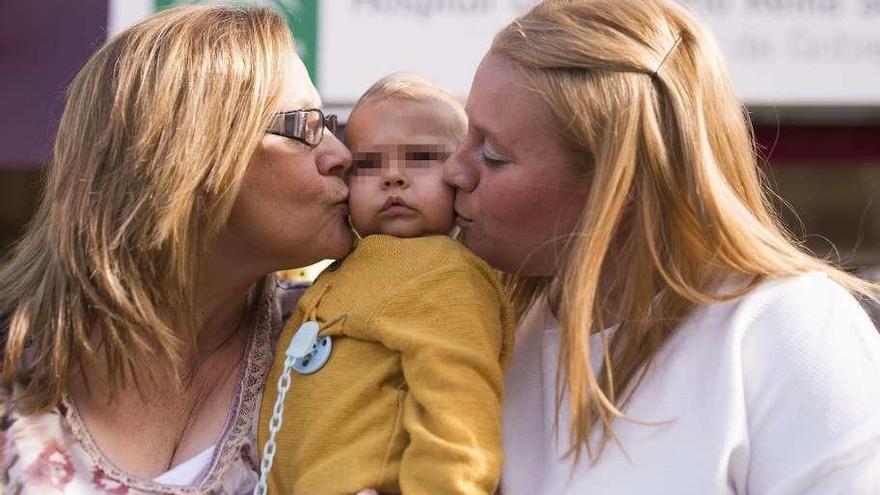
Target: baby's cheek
x=359 y=207
x=443 y=214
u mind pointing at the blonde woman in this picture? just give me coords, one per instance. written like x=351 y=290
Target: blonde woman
x=674 y=339
x=138 y=313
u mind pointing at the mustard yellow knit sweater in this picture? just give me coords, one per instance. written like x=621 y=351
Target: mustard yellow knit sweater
x=410 y=398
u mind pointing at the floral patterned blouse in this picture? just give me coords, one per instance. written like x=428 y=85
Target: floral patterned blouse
x=54 y=453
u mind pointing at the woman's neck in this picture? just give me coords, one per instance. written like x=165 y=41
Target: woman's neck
x=222 y=294
x=219 y=314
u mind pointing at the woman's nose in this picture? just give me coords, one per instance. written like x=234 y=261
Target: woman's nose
x=458 y=174
x=333 y=158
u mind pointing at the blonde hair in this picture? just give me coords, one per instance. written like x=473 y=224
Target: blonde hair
x=641 y=91
x=411 y=87
x=159 y=127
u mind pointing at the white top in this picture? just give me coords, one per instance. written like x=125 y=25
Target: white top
x=189 y=471
x=775 y=393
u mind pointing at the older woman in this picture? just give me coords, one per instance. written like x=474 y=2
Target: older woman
x=137 y=311
x=674 y=338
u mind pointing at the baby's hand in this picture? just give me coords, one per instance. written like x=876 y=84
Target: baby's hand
x=368 y=491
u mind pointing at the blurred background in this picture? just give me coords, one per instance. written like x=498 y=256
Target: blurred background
x=807 y=70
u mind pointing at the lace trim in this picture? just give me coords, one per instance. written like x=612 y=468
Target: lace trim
x=236 y=432
x=249 y=393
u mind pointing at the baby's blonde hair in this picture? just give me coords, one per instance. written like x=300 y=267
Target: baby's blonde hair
x=412 y=87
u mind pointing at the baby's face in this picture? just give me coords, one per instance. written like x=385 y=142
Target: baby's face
x=396 y=180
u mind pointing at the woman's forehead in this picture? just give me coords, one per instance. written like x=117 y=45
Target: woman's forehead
x=491 y=84
x=503 y=107
x=298 y=90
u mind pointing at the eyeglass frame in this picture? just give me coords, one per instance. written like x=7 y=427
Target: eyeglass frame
x=292 y=125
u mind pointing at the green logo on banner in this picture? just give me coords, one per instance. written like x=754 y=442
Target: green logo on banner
x=301 y=15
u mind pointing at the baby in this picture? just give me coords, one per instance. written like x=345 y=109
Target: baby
x=396 y=354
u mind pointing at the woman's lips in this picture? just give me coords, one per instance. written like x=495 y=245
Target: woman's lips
x=461 y=220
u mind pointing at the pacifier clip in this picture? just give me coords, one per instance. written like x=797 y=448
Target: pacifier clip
x=305 y=354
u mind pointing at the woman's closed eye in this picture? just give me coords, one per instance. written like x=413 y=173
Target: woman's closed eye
x=490 y=157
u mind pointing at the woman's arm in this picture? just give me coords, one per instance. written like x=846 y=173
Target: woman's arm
x=811 y=362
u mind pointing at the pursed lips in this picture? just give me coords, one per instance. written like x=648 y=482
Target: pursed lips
x=395 y=203
x=343 y=197
x=342 y=204
x=459 y=218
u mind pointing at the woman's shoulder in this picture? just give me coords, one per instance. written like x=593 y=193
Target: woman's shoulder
x=807 y=358
x=804 y=289
x=810 y=303
x=805 y=334
x=798 y=336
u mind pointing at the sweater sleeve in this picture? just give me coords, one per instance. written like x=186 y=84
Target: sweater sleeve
x=812 y=368
x=449 y=327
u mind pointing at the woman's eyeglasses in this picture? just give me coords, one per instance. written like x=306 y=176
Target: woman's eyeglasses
x=306 y=125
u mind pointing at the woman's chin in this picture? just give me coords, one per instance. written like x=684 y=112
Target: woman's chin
x=483 y=250
x=335 y=247
x=344 y=245
x=500 y=256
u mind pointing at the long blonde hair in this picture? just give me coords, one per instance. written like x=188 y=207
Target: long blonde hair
x=158 y=130
x=677 y=202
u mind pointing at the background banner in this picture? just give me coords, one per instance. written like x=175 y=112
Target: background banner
x=780 y=52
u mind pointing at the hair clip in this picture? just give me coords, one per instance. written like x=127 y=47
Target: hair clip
x=668 y=53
